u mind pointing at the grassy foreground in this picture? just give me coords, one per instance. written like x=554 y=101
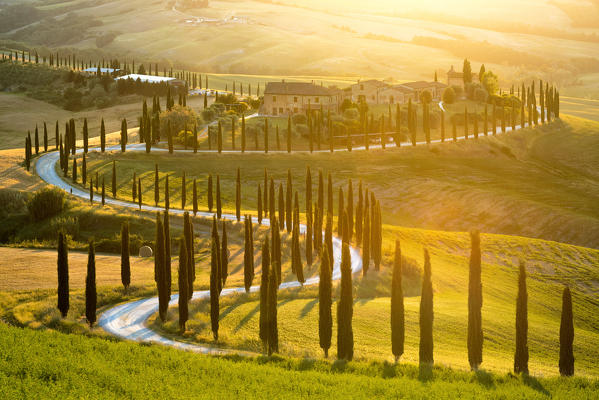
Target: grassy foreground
x=54 y=365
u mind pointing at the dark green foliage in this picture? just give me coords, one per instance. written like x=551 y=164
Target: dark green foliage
x=125 y=263
x=46 y=203
x=325 y=318
x=195 y=197
x=328 y=240
x=340 y=211
x=397 y=306
x=289 y=198
x=46 y=137
x=271 y=199
x=345 y=309
x=220 y=138
x=566 y=336
x=248 y=254
x=113 y=182
x=309 y=217
x=183 y=291
x=74 y=170
x=224 y=254
x=426 y=314
x=63 y=275
x=219 y=210
x=123 y=135
x=156 y=185
x=189 y=244
x=167 y=252
x=366 y=238
x=28 y=153
x=475 y=303
x=275 y=250
x=90 y=286
x=264 y=283
x=214 y=288
x=37 y=141
x=521 y=356
x=467 y=72
x=350 y=210
x=281 y=207
x=183 y=191
x=102 y=136
x=160 y=270
x=85 y=135
x=210 y=196
x=330 y=195
x=238 y=195
x=259 y=204
x=167 y=202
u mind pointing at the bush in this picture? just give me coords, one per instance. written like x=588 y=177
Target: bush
x=46 y=203
x=480 y=95
x=449 y=95
x=426 y=97
x=351 y=114
x=68 y=225
x=299 y=119
x=11 y=202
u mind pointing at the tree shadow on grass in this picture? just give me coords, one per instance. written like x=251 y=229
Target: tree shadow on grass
x=339 y=366
x=245 y=319
x=484 y=378
x=425 y=372
x=534 y=384
x=308 y=307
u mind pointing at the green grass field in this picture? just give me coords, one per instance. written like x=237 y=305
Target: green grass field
x=54 y=365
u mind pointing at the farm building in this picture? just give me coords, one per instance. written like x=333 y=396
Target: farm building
x=284 y=98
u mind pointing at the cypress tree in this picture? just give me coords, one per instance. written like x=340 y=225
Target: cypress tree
x=91 y=191
x=167 y=201
x=63 y=275
x=125 y=263
x=259 y=204
x=214 y=289
x=90 y=286
x=224 y=253
x=281 y=207
x=345 y=335
x=397 y=306
x=74 y=170
x=56 y=136
x=113 y=182
x=350 y=210
x=156 y=185
x=102 y=136
x=376 y=236
x=139 y=200
x=238 y=195
x=366 y=239
x=328 y=240
x=266 y=135
x=264 y=283
x=243 y=139
x=183 y=291
x=28 y=153
x=566 y=336
x=340 y=211
x=248 y=255
x=123 y=135
x=195 y=197
x=359 y=218
x=46 y=137
x=195 y=139
x=288 y=208
x=330 y=195
x=134 y=188
x=271 y=199
x=167 y=252
x=219 y=138
x=325 y=318
x=191 y=272
x=275 y=250
x=265 y=198
x=160 y=270
x=426 y=314
x=85 y=135
x=475 y=302
x=103 y=191
x=84 y=170
x=210 y=199
x=37 y=141
x=219 y=211
x=273 y=331
x=521 y=356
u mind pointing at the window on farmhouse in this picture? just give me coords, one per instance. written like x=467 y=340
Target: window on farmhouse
x=317 y=99
x=274 y=99
x=295 y=99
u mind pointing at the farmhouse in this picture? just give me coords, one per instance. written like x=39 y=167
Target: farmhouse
x=455 y=78
x=434 y=88
x=284 y=98
x=396 y=94
x=154 y=79
x=367 y=91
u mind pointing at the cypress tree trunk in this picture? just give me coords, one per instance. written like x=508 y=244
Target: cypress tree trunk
x=37 y=141
x=273 y=331
x=566 y=336
x=345 y=335
x=325 y=318
x=123 y=135
x=475 y=302
x=289 y=198
x=521 y=356
x=219 y=210
x=90 y=286
x=183 y=292
x=56 y=136
x=224 y=253
x=210 y=200
x=426 y=314
x=238 y=195
x=63 y=275
x=75 y=170
x=397 y=306
x=167 y=253
x=214 y=289
x=125 y=264
x=264 y=283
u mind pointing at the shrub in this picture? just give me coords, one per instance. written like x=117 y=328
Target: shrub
x=68 y=225
x=426 y=97
x=351 y=113
x=480 y=95
x=46 y=203
x=449 y=95
x=11 y=202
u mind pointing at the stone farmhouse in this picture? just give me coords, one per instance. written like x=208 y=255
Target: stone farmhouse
x=455 y=78
x=379 y=92
x=285 y=98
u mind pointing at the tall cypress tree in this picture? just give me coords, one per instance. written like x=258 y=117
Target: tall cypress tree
x=521 y=356
x=224 y=253
x=426 y=314
x=74 y=170
x=156 y=185
x=103 y=191
x=271 y=199
x=167 y=252
x=195 y=197
x=113 y=181
x=259 y=204
x=63 y=275
x=183 y=191
x=46 y=137
x=340 y=211
x=214 y=289
x=350 y=210
x=139 y=198
x=265 y=198
x=85 y=135
x=37 y=141
x=330 y=195
x=475 y=303
x=273 y=331
x=123 y=135
x=359 y=217
x=238 y=195
x=248 y=256
x=102 y=136
x=264 y=283
x=210 y=198
x=56 y=136
x=90 y=286
x=183 y=291
x=281 y=207
x=219 y=210
x=219 y=142
x=325 y=318
x=566 y=336
x=328 y=240
x=289 y=135
x=160 y=270
x=289 y=197
x=397 y=306
x=134 y=188
x=345 y=309
x=366 y=238
x=125 y=263
x=266 y=135
x=188 y=233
